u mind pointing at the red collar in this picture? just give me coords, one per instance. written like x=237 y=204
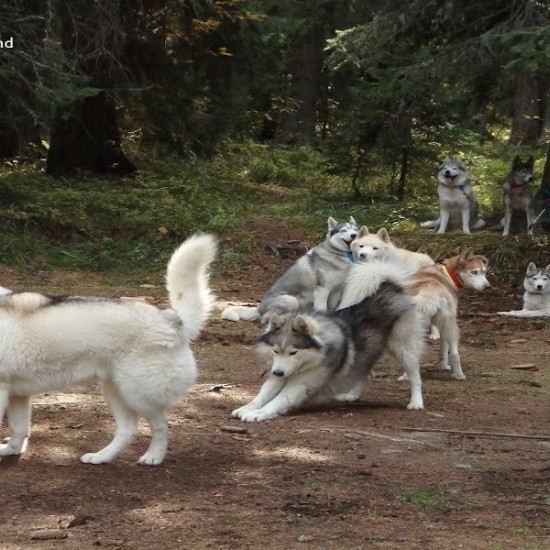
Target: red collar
x=450 y=274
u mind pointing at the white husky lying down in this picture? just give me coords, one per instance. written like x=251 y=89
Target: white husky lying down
x=536 y=299
x=140 y=353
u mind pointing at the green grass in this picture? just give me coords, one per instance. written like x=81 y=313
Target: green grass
x=130 y=226
x=424 y=497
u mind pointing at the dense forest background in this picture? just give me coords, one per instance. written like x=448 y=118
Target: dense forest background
x=358 y=99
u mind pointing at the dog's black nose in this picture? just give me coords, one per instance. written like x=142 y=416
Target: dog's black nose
x=278 y=373
x=539 y=287
x=447 y=172
x=353 y=235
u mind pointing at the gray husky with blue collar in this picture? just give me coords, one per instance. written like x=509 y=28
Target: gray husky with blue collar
x=316 y=280
x=458 y=204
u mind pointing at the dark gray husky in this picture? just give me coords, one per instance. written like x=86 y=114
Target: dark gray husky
x=517 y=193
x=319 y=355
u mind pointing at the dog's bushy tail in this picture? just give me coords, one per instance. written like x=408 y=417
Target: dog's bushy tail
x=364 y=280
x=187 y=282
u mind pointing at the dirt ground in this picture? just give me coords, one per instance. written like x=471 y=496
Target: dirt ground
x=337 y=477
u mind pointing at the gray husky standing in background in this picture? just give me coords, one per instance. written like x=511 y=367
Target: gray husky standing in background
x=536 y=300
x=315 y=356
x=314 y=280
x=457 y=201
x=518 y=194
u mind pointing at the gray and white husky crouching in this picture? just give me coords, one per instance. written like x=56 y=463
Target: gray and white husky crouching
x=316 y=279
x=315 y=356
x=536 y=299
x=140 y=353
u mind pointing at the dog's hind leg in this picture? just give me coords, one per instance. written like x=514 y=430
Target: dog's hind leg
x=19 y=420
x=407 y=345
x=449 y=357
x=158 y=424
x=126 y=427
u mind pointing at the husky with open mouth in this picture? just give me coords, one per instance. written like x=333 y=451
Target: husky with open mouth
x=458 y=204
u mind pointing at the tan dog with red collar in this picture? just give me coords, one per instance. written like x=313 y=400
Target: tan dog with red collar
x=435 y=290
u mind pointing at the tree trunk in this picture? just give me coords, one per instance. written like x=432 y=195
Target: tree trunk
x=528 y=114
x=85 y=136
x=299 y=126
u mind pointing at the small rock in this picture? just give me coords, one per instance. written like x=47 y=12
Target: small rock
x=234 y=429
x=48 y=534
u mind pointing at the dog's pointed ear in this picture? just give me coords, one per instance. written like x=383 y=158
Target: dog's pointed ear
x=466 y=254
x=352 y=220
x=384 y=235
x=332 y=223
x=364 y=230
x=276 y=321
x=531 y=267
x=303 y=325
x=547 y=268
x=516 y=161
x=530 y=162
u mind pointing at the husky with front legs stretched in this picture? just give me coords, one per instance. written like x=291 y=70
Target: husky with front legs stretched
x=314 y=356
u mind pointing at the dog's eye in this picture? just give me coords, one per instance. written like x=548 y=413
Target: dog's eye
x=274 y=350
x=293 y=352
x=474 y=272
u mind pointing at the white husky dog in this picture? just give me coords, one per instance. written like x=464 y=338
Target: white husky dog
x=368 y=247
x=314 y=280
x=457 y=201
x=536 y=300
x=140 y=353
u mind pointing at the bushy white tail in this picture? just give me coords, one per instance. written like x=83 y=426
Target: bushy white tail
x=364 y=279
x=187 y=282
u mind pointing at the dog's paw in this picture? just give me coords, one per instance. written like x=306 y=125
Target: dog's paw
x=149 y=459
x=257 y=415
x=237 y=413
x=415 y=406
x=458 y=376
x=230 y=314
x=94 y=458
x=8 y=450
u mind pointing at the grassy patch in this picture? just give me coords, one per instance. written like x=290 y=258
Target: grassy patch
x=425 y=497
x=130 y=226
